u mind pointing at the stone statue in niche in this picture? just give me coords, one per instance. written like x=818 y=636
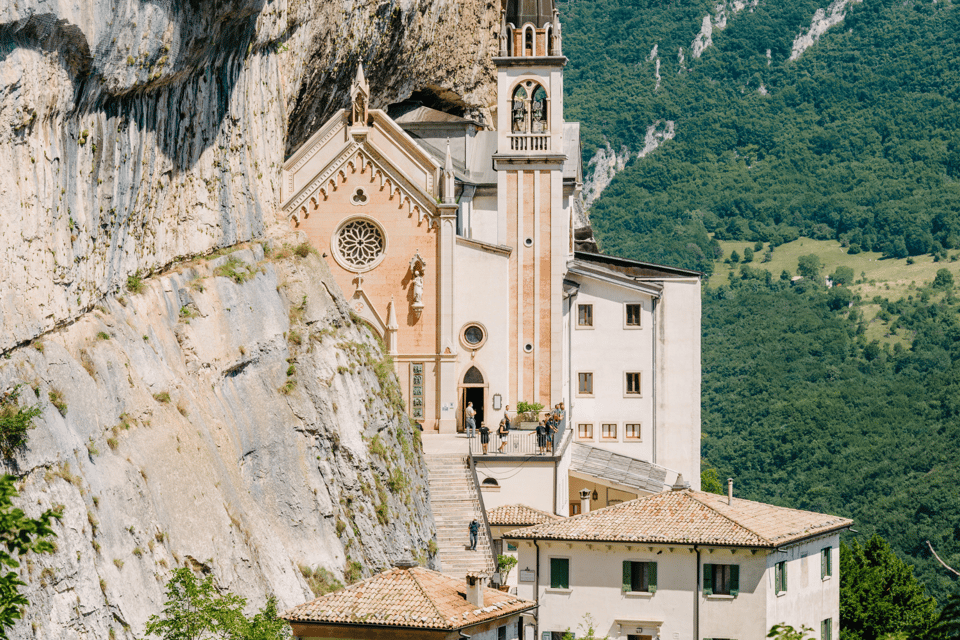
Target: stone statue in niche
x=418 y=267
x=519 y=110
x=538 y=111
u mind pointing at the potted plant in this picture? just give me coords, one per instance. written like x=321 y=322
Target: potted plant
x=528 y=414
x=504 y=565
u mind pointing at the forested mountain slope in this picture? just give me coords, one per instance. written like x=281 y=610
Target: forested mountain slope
x=856 y=139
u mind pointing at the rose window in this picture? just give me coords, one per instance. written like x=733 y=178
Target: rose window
x=359 y=244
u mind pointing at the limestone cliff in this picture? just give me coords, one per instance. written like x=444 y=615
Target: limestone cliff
x=232 y=417
x=133 y=133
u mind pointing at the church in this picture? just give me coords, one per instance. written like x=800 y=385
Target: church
x=455 y=242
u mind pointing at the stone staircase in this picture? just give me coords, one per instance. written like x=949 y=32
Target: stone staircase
x=455 y=502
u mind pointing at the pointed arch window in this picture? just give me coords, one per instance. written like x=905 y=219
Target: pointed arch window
x=519 y=110
x=538 y=110
x=473 y=376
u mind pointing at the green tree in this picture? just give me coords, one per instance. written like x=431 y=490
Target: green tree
x=842 y=275
x=19 y=535
x=710 y=480
x=748 y=254
x=734 y=257
x=196 y=610
x=880 y=595
x=14 y=422
x=786 y=632
x=943 y=280
x=809 y=266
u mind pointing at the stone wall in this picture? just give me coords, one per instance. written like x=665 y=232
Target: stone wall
x=231 y=417
x=134 y=133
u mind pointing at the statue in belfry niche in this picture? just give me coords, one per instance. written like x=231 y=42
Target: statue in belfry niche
x=418 y=268
x=520 y=110
x=538 y=111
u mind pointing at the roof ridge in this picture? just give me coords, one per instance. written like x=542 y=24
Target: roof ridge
x=426 y=595
x=689 y=492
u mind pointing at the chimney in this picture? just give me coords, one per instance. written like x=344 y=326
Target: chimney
x=730 y=491
x=680 y=484
x=475 y=589
x=584 y=500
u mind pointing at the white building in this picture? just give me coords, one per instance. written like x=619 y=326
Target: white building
x=683 y=565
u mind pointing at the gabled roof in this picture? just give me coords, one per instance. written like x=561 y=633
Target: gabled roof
x=426 y=116
x=634 y=268
x=615 y=467
x=407 y=597
x=690 y=517
x=519 y=515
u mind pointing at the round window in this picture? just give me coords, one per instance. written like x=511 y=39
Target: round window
x=528 y=348
x=473 y=335
x=359 y=244
x=528 y=242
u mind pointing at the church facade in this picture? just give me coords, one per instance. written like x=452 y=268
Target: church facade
x=455 y=242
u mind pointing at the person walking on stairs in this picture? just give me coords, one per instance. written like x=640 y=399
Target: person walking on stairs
x=470 y=414
x=474 y=530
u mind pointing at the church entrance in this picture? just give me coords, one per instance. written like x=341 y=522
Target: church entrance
x=473 y=389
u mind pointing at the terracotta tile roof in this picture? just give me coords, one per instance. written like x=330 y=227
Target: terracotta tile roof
x=402 y=597
x=689 y=517
x=519 y=515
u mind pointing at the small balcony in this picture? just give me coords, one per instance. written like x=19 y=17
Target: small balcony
x=530 y=142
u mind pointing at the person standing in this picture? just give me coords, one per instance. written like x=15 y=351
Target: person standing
x=541 y=437
x=484 y=436
x=471 y=427
x=474 y=530
x=502 y=431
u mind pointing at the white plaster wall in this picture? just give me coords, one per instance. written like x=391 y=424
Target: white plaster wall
x=483 y=218
x=528 y=482
x=809 y=599
x=678 y=379
x=595 y=581
x=482 y=300
x=609 y=350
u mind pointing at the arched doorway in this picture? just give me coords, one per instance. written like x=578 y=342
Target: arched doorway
x=473 y=389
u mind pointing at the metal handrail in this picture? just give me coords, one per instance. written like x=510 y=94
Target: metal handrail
x=483 y=509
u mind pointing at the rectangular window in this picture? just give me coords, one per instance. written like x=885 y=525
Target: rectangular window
x=826 y=563
x=633 y=383
x=608 y=431
x=631 y=431
x=639 y=576
x=502 y=633
x=780 y=577
x=633 y=315
x=585 y=431
x=721 y=579
x=511 y=546
x=826 y=629
x=585 y=383
x=559 y=573
x=584 y=315
x=574 y=508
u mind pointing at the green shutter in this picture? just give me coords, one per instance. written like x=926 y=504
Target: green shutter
x=708 y=579
x=627 y=581
x=734 y=579
x=828 y=553
x=559 y=573
x=652 y=577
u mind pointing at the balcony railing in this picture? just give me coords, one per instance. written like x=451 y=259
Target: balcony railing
x=520 y=442
x=529 y=142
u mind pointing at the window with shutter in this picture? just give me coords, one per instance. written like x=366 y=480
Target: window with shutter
x=559 y=573
x=708 y=579
x=826 y=565
x=780 y=577
x=639 y=577
x=734 y=579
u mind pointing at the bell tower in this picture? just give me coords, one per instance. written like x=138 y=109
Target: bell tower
x=533 y=221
